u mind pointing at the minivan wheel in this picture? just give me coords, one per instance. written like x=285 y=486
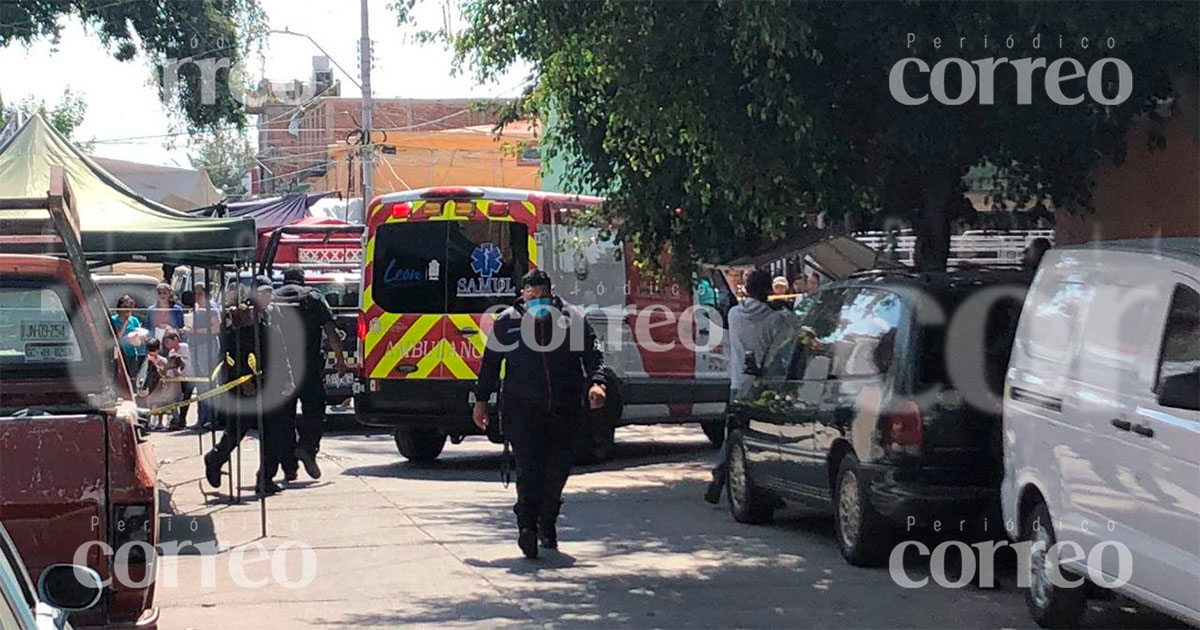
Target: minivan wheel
x=420 y=445
x=1050 y=605
x=746 y=502
x=715 y=431
x=863 y=535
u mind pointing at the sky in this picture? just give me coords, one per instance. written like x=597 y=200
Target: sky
x=122 y=102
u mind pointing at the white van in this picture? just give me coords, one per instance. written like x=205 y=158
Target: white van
x=1102 y=426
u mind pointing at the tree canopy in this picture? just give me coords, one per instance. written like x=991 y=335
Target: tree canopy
x=65 y=116
x=227 y=156
x=716 y=127
x=166 y=31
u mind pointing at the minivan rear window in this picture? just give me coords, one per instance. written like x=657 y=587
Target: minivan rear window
x=448 y=266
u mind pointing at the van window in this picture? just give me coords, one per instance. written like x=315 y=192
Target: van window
x=819 y=314
x=1052 y=326
x=448 y=266
x=407 y=275
x=484 y=264
x=1180 y=352
x=779 y=354
x=36 y=332
x=865 y=340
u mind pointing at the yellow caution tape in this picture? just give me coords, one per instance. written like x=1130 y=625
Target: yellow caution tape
x=205 y=396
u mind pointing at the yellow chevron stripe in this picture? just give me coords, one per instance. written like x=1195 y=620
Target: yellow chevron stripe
x=386 y=321
x=465 y=321
x=533 y=251
x=415 y=333
x=528 y=205
x=455 y=363
x=429 y=362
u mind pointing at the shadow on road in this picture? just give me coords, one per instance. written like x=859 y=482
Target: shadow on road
x=486 y=466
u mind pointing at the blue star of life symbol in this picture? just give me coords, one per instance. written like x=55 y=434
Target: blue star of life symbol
x=485 y=260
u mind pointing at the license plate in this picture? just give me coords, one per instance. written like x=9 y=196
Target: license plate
x=49 y=352
x=44 y=331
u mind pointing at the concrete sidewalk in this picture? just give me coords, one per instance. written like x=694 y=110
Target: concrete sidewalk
x=390 y=544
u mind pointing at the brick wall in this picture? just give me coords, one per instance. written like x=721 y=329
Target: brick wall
x=1153 y=192
x=329 y=120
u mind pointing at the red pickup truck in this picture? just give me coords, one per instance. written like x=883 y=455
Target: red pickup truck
x=77 y=477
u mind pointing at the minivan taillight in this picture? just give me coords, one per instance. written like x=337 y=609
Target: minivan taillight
x=902 y=429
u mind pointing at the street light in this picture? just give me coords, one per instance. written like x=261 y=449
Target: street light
x=323 y=51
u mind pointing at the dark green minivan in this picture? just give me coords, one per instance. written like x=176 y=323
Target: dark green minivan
x=879 y=401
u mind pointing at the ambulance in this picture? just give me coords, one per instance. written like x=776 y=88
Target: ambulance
x=440 y=263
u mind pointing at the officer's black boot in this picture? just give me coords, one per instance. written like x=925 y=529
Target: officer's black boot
x=213 y=461
x=527 y=540
x=547 y=531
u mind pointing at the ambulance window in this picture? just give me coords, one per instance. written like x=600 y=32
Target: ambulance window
x=408 y=275
x=484 y=264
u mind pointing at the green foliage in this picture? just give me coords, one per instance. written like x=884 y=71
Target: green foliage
x=65 y=116
x=750 y=117
x=227 y=156
x=164 y=30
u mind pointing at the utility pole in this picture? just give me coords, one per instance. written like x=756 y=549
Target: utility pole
x=368 y=107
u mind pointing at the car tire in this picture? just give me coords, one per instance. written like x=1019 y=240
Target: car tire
x=715 y=431
x=1051 y=606
x=863 y=536
x=747 y=502
x=420 y=445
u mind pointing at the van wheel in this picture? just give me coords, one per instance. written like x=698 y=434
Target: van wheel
x=1050 y=605
x=863 y=535
x=420 y=446
x=715 y=431
x=746 y=501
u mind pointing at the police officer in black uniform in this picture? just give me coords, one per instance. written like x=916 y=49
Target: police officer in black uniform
x=552 y=360
x=305 y=315
x=243 y=326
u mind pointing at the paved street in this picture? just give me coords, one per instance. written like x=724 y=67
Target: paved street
x=396 y=544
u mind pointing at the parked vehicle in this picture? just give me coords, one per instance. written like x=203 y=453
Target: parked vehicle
x=139 y=287
x=437 y=259
x=77 y=469
x=853 y=410
x=1102 y=423
x=62 y=588
x=331 y=256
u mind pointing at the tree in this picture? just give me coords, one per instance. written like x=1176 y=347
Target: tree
x=66 y=116
x=204 y=31
x=715 y=127
x=227 y=156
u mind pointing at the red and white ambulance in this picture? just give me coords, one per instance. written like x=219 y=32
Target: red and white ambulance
x=437 y=259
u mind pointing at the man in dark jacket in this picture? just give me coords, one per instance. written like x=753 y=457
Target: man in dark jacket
x=305 y=315
x=551 y=360
x=248 y=329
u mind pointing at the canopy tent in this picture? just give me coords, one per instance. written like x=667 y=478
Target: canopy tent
x=269 y=213
x=116 y=224
x=174 y=187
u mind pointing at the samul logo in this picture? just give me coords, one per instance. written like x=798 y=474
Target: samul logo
x=486 y=261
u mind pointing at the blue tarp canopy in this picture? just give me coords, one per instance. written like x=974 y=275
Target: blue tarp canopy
x=269 y=213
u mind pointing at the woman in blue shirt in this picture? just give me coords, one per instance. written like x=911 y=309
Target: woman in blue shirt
x=125 y=322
